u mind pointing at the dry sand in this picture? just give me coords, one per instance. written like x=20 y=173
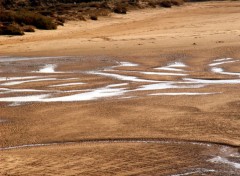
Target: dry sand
x=150 y=38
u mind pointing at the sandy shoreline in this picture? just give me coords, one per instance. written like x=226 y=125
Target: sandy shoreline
x=144 y=32
x=135 y=97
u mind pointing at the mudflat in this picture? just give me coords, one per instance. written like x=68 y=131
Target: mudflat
x=153 y=92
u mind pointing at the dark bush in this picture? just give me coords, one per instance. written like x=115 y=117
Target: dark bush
x=34 y=19
x=12 y=29
x=47 y=13
x=120 y=9
x=61 y=19
x=81 y=17
x=28 y=29
x=27 y=18
x=152 y=4
x=105 y=5
x=7 y=17
x=100 y=12
x=94 y=4
x=166 y=4
x=93 y=17
x=177 y=2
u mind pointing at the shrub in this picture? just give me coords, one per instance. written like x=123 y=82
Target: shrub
x=105 y=5
x=93 y=17
x=28 y=18
x=152 y=4
x=166 y=3
x=95 y=4
x=28 y=29
x=120 y=9
x=47 y=13
x=7 y=17
x=102 y=12
x=60 y=21
x=177 y=2
x=12 y=29
x=35 y=19
x=81 y=17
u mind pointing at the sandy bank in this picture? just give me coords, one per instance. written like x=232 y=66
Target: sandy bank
x=144 y=32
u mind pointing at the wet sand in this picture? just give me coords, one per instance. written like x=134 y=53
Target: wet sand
x=125 y=103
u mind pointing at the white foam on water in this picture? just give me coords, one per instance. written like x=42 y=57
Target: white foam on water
x=49 y=68
x=27 y=81
x=164 y=74
x=220 y=63
x=15 y=104
x=13 y=59
x=117 y=85
x=217 y=70
x=67 y=84
x=167 y=85
x=113 y=141
x=121 y=77
x=221 y=71
x=35 y=90
x=6 y=91
x=29 y=98
x=19 y=78
x=16 y=59
x=25 y=90
x=205 y=81
x=127 y=64
x=177 y=64
x=219 y=159
x=3 y=90
x=128 y=97
x=91 y=95
x=198 y=171
x=224 y=59
x=168 y=69
x=25 y=146
x=184 y=93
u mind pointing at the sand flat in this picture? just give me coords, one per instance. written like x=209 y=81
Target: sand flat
x=202 y=106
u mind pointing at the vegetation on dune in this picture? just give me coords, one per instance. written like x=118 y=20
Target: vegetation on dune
x=48 y=14
x=18 y=22
x=12 y=29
